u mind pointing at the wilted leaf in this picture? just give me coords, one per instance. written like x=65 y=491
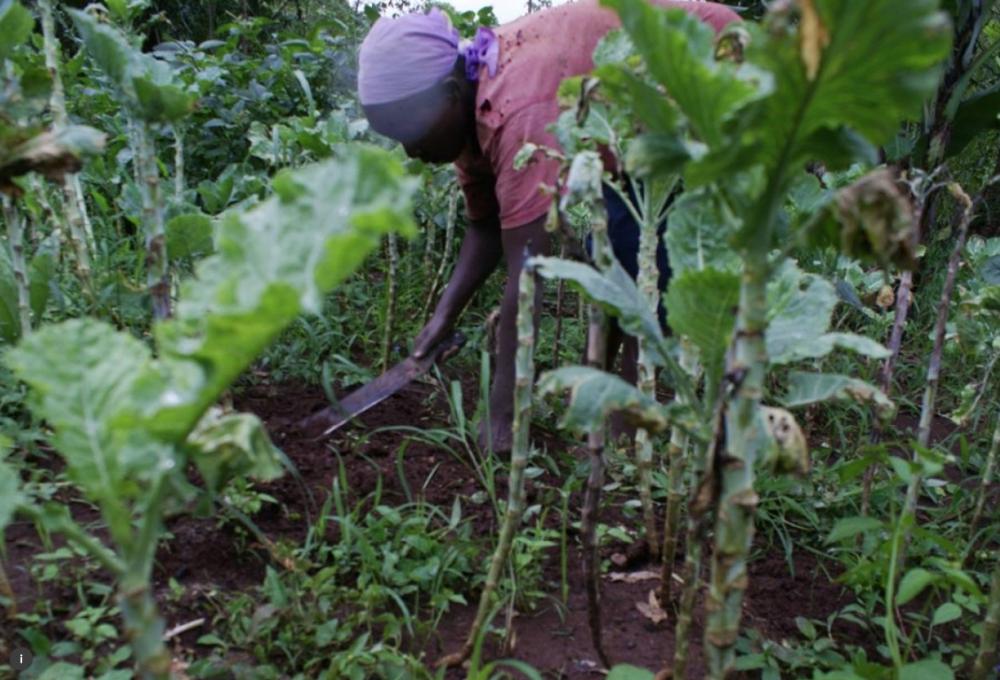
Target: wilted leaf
x=813 y=388
x=53 y=153
x=231 y=445
x=789 y=452
x=633 y=576
x=813 y=37
x=875 y=221
x=886 y=297
x=583 y=181
x=651 y=609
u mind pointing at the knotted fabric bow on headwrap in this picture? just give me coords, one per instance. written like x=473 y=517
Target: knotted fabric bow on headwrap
x=409 y=54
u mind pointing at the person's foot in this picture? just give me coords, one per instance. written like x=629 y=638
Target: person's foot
x=498 y=435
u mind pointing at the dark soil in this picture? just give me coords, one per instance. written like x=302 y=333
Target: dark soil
x=206 y=557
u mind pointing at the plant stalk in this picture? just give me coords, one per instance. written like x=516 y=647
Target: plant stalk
x=597 y=342
x=15 y=239
x=986 y=660
x=75 y=207
x=157 y=266
x=646 y=282
x=521 y=449
x=391 y=295
x=677 y=461
x=179 y=165
x=449 y=237
x=984 y=484
x=737 y=500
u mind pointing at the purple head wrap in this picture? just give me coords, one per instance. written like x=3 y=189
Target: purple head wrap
x=409 y=54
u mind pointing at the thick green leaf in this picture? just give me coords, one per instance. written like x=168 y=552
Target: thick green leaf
x=148 y=84
x=91 y=403
x=928 y=669
x=162 y=103
x=327 y=218
x=701 y=305
x=912 y=584
x=189 y=235
x=848 y=527
x=813 y=388
x=826 y=343
x=977 y=114
x=595 y=395
x=107 y=46
x=800 y=307
x=227 y=446
x=615 y=292
x=16 y=24
x=699 y=227
x=864 y=66
x=678 y=51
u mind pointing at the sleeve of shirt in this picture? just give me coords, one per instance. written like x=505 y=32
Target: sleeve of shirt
x=520 y=192
x=479 y=188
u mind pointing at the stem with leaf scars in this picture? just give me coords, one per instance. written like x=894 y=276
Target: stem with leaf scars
x=391 y=295
x=901 y=536
x=987 y=659
x=737 y=502
x=15 y=238
x=677 y=460
x=557 y=335
x=157 y=265
x=646 y=282
x=523 y=383
x=597 y=340
x=449 y=236
x=74 y=206
x=178 y=164
x=984 y=484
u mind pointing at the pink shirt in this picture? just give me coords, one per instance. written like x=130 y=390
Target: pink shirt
x=515 y=106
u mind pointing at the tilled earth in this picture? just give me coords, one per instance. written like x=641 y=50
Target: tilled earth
x=206 y=557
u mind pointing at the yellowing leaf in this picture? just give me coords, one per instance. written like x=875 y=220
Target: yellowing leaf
x=813 y=37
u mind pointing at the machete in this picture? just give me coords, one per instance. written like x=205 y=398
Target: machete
x=322 y=423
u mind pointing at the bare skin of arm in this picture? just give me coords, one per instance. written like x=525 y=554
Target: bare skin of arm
x=479 y=255
x=481 y=250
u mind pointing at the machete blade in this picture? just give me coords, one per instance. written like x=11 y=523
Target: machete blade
x=326 y=421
